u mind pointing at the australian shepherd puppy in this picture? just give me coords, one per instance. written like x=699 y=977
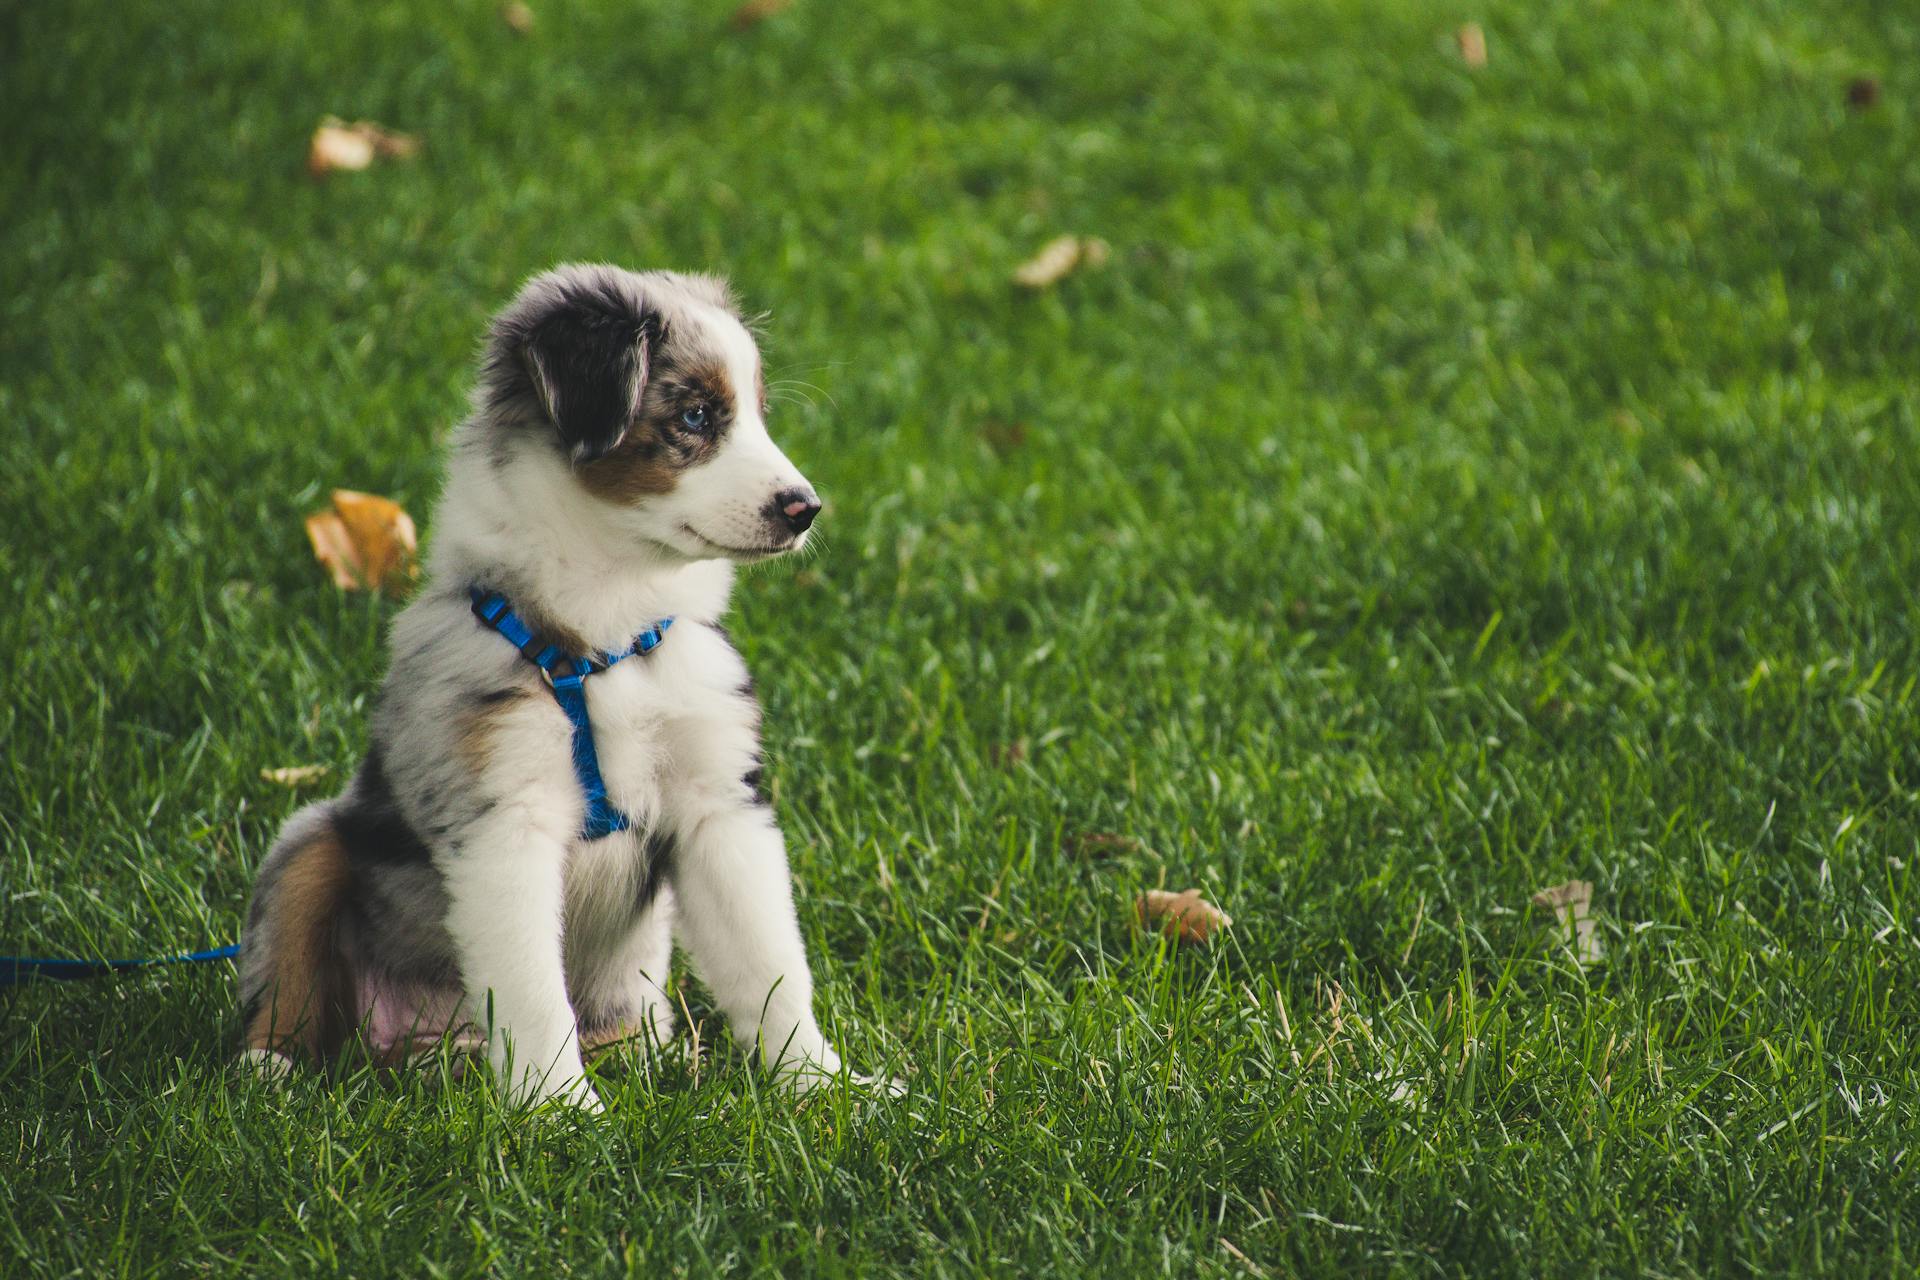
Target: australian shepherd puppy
x=614 y=468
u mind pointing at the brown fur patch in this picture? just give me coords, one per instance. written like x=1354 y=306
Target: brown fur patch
x=644 y=465
x=598 y=1040
x=569 y=640
x=660 y=446
x=307 y=1001
x=473 y=739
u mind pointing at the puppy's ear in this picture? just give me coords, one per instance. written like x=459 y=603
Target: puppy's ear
x=589 y=368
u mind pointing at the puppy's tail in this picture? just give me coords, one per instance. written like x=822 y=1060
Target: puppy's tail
x=294 y=980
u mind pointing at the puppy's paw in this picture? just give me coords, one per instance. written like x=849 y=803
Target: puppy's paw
x=579 y=1095
x=267 y=1064
x=558 y=1089
x=575 y=1095
x=806 y=1076
x=882 y=1086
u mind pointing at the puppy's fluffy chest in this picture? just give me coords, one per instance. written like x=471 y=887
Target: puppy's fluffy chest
x=676 y=730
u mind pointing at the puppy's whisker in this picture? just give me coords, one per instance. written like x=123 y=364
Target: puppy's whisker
x=786 y=369
x=801 y=386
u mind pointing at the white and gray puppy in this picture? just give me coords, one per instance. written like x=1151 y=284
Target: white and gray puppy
x=615 y=465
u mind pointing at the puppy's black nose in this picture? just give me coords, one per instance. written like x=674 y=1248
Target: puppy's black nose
x=797 y=508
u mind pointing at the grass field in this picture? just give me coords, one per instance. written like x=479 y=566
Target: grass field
x=1457 y=482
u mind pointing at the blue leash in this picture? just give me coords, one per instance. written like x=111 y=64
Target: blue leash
x=18 y=969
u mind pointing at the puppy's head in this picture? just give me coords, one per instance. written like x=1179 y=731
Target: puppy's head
x=649 y=387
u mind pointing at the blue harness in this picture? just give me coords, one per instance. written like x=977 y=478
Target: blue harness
x=567 y=676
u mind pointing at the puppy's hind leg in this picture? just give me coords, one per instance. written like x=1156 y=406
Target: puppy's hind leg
x=294 y=984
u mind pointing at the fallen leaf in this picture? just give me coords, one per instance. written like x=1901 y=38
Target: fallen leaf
x=390 y=145
x=1473 y=45
x=1187 y=915
x=1863 y=92
x=333 y=548
x=1571 y=904
x=1002 y=436
x=518 y=17
x=1060 y=257
x=296 y=775
x=754 y=12
x=1102 y=844
x=366 y=542
x=338 y=145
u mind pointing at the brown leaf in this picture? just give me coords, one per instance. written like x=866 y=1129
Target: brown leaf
x=1863 y=92
x=1473 y=45
x=366 y=542
x=333 y=548
x=1186 y=915
x=1002 y=436
x=296 y=775
x=1571 y=904
x=337 y=145
x=518 y=17
x=1059 y=258
x=390 y=145
x=754 y=12
x=1102 y=844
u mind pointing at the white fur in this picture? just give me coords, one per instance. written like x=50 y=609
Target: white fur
x=272 y=1067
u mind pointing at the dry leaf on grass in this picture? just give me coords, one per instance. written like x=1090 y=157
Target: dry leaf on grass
x=366 y=542
x=1571 y=904
x=518 y=17
x=1102 y=844
x=296 y=775
x=1059 y=258
x=1188 y=915
x=1473 y=45
x=338 y=145
x=1003 y=436
x=754 y=12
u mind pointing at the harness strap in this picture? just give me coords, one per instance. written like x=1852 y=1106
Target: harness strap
x=567 y=678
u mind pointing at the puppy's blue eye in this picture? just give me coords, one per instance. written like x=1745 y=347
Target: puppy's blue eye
x=695 y=418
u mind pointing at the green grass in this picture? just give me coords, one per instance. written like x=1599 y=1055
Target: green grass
x=1457 y=483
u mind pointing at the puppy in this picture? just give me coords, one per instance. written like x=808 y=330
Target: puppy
x=473 y=881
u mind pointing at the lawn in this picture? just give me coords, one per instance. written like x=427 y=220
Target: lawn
x=1457 y=482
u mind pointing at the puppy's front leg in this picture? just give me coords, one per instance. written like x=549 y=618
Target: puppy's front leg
x=507 y=888
x=736 y=919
